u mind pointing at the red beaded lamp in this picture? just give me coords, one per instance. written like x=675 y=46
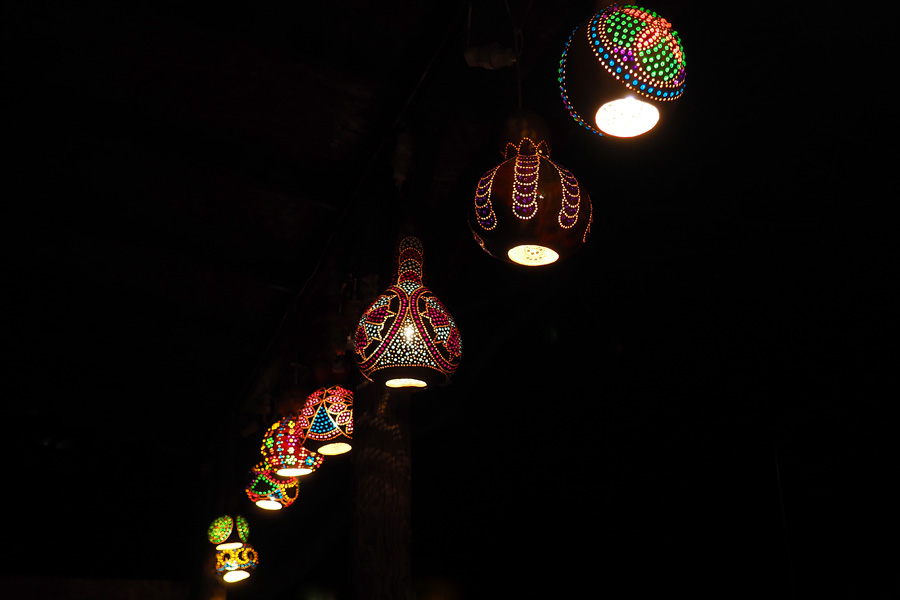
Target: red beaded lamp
x=407 y=338
x=530 y=210
x=327 y=420
x=621 y=71
x=282 y=447
x=268 y=490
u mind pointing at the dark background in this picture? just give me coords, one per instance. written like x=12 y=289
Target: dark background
x=201 y=201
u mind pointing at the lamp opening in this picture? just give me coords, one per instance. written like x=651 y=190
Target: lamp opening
x=532 y=256
x=229 y=545
x=627 y=117
x=269 y=504
x=232 y=576
x=334 y=448
x=293 y=472
x=402 y=382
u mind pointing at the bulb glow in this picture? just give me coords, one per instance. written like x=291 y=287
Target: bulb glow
x=532 y=256
x=232 y=576
x=405 y=382
x=627 y=117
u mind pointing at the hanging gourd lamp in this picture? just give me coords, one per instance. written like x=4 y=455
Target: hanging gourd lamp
x=621 y=71
x=327 y=420
x=530 y=210
x=282 y=448
x=235 y=564
x=228 y=533
x=234 y=556
x=270 y=491
x=407 y=338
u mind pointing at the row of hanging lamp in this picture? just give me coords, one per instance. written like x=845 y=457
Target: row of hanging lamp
x=621 y=71
x=407 y=338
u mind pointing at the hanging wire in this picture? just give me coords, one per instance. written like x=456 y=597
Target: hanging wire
x=326 y=247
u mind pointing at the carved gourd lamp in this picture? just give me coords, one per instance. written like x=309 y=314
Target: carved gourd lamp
x=530 y=210
x=622 y=71
x=235 y=558
x=407 y=338
x=326 y=420
x=283 y=450
x=268 y=490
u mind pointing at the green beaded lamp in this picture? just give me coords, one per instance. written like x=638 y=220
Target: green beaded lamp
x=227 y=532
x=622 y=71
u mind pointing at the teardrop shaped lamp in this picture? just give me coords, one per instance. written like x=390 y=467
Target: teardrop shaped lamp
x=407 y=338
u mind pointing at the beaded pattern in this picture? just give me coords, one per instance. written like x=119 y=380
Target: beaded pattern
x=282 y=447
x=220 y=529
x=525 y=187
x=328 y=414
x=526 y=172
x=407 y=326
x=484 y=212
x=637 y=47
x=236 y=559
x=265 y=484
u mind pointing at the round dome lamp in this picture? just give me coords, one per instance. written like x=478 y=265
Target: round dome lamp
x=228 y=533
x=530 y=210
x=622 y=71
x=407 y=338
x=282 y=447
x=327 y=420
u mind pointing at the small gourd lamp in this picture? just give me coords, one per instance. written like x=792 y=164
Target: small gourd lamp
x=235 y=558
x=327 y=420
x=270 y=491
x=621 y=71
x=530 y=210
x=227 y=532
x=282 y=447
x=235 y=564
x=407 y=338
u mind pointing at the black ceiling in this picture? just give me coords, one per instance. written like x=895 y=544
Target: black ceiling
x=200 y=202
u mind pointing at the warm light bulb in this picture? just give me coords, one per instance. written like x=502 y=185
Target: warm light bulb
x=405 y=382
x=627 y=117
x=293 y=472
x=335 y=448
x=269 y=504
x=232 y=576
x=532 y=256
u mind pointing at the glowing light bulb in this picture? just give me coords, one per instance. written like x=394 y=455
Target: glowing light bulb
x=532 y=256
x=232 y=576
x=626 y=117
